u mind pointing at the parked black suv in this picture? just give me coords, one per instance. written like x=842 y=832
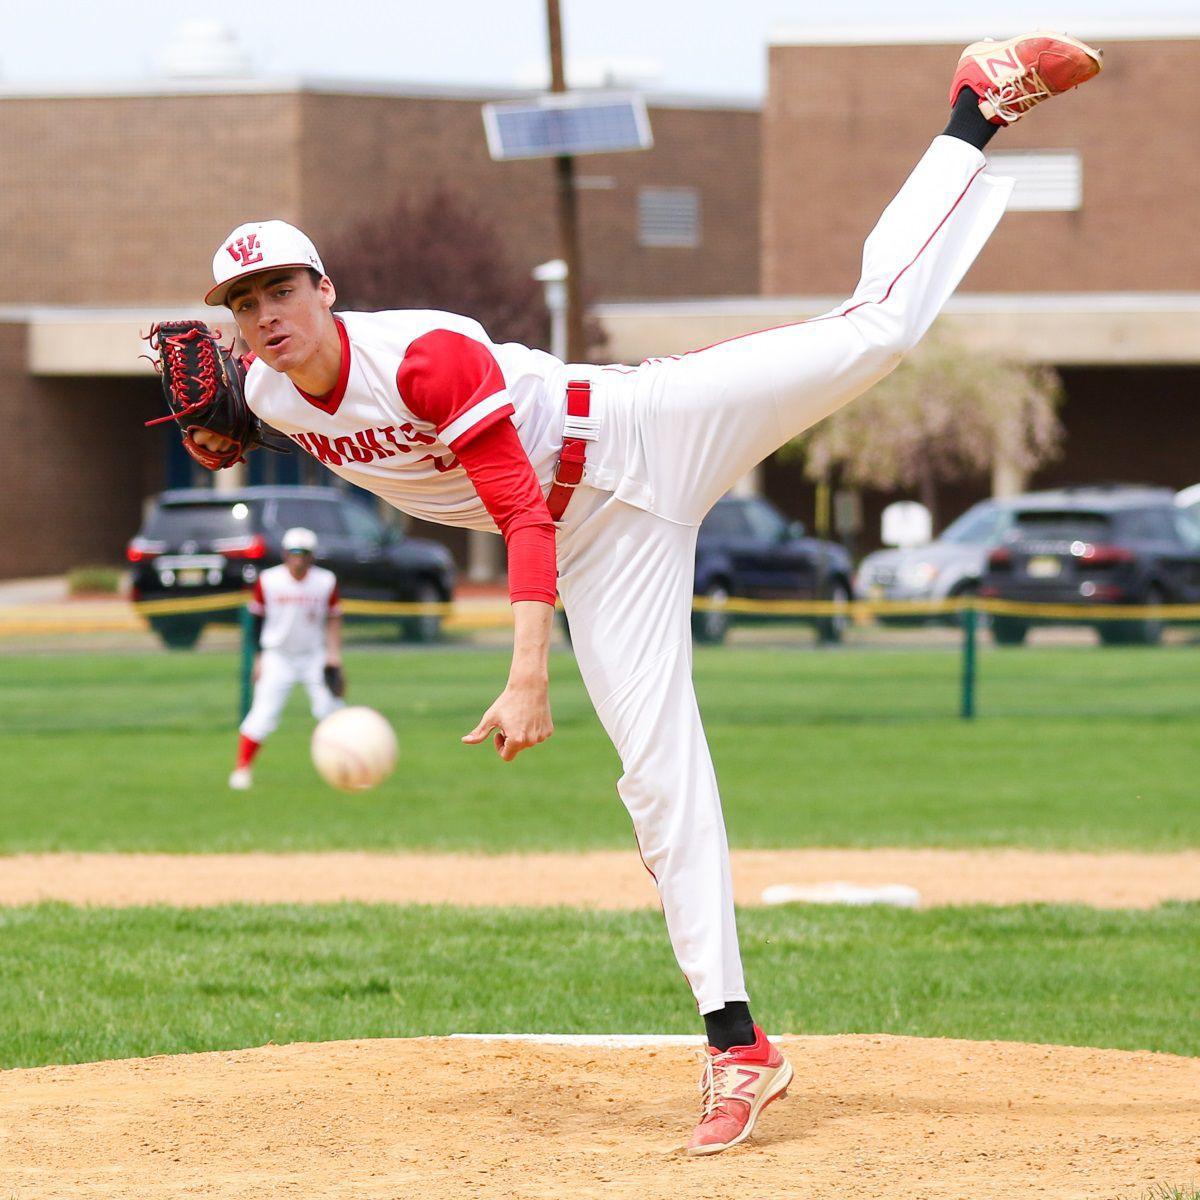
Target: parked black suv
x=746 y=548
x=1096 y=546
x=199 y=542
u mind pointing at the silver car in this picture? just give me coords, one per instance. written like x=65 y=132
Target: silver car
x=949 y=566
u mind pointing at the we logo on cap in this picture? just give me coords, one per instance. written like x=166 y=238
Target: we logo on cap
x=246 y=250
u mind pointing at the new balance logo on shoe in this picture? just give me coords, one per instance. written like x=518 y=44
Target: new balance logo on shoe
x=1009 y=62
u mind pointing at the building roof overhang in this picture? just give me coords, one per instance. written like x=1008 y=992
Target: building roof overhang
x=70 y=341
x=1066 y=329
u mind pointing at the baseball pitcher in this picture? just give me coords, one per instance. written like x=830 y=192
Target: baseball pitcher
x=598 y=477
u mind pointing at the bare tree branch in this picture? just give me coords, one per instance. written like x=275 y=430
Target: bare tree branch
x=441 y=253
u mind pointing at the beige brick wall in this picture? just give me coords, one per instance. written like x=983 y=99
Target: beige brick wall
x=359 y=152
x=843 y=125
x=121 y=199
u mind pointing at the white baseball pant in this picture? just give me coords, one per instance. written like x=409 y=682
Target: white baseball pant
x=696 y=424
x=279 y=674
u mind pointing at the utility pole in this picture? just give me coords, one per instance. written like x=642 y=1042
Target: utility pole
x=568 y=207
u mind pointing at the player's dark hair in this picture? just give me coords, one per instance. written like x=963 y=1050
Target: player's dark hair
x=315 y=276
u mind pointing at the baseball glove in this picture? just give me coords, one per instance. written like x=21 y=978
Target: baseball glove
x=202 y=384
x=335 y=680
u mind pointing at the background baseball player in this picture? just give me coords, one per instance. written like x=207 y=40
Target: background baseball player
x=298 y=630
x=610 y=470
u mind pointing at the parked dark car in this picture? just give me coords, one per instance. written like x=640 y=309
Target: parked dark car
x=746 y=548
x=1096 y=547
x=200 y=542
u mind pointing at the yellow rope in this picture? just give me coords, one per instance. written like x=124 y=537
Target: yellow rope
x=132 y=617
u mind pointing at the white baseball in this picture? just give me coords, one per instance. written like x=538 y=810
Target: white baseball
x=354 y=749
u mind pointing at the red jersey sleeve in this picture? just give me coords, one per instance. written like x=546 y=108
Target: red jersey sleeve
x=453 y=381
x=335 y=601
x=496 y=463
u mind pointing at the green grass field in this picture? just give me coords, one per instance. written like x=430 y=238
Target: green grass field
x=1075 y=747
x=85 y=984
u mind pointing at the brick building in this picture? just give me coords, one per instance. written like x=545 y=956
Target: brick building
x=110 y=207
x=111 y=203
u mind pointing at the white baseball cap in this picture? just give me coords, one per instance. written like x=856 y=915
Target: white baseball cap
x=259 y=246
x=299 y=540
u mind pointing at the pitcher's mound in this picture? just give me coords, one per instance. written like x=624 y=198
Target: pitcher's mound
x=443 y=1119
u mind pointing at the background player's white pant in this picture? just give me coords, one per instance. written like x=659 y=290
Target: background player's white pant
x=280 y=673
x=692 y=426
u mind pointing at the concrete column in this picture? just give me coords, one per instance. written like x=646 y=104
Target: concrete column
x=230 y=479
x=484 y=561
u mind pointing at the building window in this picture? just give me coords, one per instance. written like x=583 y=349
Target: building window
x=668 y=216
x=1047 y=180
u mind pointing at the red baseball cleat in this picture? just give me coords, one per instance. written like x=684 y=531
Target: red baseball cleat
x=737 y=1085
x=1014 y=76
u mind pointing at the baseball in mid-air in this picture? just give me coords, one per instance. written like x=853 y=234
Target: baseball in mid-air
x=354 y=749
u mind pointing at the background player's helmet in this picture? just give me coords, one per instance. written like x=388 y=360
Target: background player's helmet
x=299 y=541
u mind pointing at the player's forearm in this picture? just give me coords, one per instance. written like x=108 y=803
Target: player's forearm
x=520 y=717
x=531 y=643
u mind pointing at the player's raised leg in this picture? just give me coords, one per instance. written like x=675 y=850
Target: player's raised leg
x=708 y=417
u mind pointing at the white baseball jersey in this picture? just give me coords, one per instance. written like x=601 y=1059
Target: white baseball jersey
x=295 y=610
x=413 y=386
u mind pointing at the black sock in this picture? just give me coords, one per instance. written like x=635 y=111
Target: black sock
x=730 y=1026
x=967 y=123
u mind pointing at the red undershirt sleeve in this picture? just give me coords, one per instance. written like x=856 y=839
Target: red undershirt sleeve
x=454 y=382
x=499 y=468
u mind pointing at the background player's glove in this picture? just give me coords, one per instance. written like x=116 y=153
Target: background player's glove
x=335 y=680
x=202 y=384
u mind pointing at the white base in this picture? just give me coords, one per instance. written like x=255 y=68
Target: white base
x=898 y=895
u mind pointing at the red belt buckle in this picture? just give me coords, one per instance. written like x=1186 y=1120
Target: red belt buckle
x=568 y=472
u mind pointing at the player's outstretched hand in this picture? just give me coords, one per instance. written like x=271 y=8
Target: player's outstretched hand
x=520 y=718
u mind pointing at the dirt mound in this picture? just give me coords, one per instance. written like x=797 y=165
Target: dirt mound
x=600 y=879
x=445 y=1118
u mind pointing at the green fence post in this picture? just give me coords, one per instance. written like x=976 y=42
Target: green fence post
x=246 y=693
x=970 y=622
